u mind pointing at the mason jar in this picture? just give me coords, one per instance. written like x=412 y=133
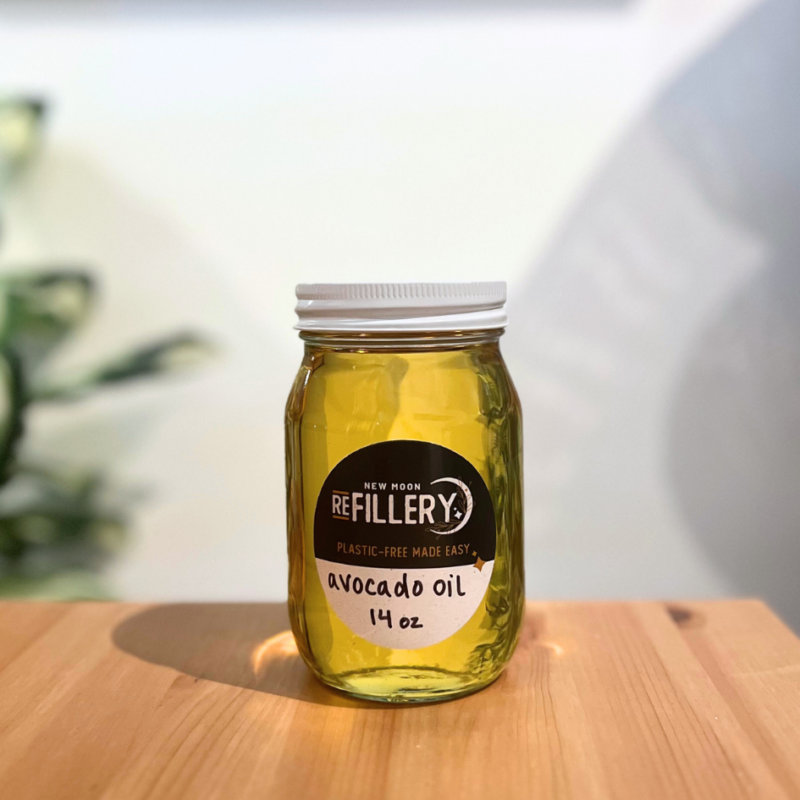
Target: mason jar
x=404 y=489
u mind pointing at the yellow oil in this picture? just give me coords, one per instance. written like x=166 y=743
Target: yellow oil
x=352 y=393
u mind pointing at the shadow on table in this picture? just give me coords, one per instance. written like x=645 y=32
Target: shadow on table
x=240 y=644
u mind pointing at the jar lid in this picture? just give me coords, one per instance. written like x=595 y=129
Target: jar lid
x=398 y=307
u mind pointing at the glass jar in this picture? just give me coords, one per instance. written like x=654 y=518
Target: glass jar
x=404 y=496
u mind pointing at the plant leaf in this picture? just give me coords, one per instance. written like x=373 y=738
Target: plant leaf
x=20 y=132
x=51 y=521
x=66 y=585
x=178 y=352
x=12 y=405
x=42 y=309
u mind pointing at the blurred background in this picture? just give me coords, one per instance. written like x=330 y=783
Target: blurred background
x=171 y=170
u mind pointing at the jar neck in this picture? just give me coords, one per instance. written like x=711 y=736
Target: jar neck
x=353 y=342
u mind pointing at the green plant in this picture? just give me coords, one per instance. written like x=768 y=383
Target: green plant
x=59 y=525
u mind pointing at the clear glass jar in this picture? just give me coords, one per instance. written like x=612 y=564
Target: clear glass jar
x=404 y=484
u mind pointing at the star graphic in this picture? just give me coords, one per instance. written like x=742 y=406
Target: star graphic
x=479 y=564
x=457 y=514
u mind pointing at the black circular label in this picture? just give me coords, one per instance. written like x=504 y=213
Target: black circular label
x=404 y=505
x=404 y=539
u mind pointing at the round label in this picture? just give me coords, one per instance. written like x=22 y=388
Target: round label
x=404 y=539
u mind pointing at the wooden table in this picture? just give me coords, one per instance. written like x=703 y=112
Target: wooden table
x=601 y=700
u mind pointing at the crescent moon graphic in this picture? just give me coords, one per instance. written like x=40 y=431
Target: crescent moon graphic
x=467 y=493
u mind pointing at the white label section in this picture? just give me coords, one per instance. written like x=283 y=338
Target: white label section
x=404 y=609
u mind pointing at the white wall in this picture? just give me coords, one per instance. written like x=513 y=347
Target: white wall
x=207 y=157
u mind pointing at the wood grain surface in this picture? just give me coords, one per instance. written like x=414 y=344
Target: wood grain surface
x=601 y=700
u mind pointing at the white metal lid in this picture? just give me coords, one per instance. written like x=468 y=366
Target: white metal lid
x=398 y=307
